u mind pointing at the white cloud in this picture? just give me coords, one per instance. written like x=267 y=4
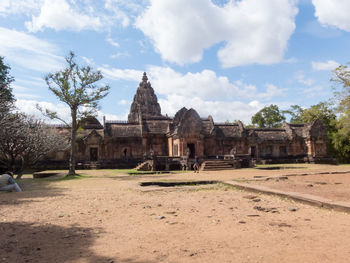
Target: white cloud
x=119 y=14
x=206 y=85
x=11 y=7
x=316 y=92
x=124 y=102
x=124 y=10
x=28 y=106
x=300 y=77
x=120 y=54
x=254 y=31
x=204 y=91
x=333 y=13
x=121 y=74
x=112 y=42
x=59 y=15
x=111 y=117
x=74 y=15
x=328 y=65
x=28 y=51
x=220 y=110
x=88 y=61
x=31 y=81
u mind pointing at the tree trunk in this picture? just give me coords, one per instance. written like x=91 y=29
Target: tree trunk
x=73 y=138
x=20 y=169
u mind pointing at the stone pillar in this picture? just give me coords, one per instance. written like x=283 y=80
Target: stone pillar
x=170 y=147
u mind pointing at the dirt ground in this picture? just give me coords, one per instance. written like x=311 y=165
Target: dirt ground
x=109 y=217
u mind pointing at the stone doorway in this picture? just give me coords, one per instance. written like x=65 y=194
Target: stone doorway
x=253 y=152
x=192 y=148
x=94 y=154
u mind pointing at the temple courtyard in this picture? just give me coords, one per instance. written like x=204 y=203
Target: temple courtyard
x=218 y=216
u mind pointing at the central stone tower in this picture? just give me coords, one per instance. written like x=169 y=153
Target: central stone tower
x=145 y=104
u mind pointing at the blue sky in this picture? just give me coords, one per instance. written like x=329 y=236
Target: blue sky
x=224 y=58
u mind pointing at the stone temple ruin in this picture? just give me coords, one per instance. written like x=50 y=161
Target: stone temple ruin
x=151 y=140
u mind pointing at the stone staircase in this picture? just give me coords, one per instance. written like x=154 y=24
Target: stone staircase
x=145 y=166
x=215 y=165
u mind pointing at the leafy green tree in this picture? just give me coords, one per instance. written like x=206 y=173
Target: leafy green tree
x=341 y=77
x=322 y=111
x=268 y=117
x=295 y=112
x=77 y=87
x=6 y=97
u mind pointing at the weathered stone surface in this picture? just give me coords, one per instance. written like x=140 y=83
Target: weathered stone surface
x=145 y=103
x=148 y=134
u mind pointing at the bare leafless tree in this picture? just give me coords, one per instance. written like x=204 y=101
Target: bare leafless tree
x=25 y=140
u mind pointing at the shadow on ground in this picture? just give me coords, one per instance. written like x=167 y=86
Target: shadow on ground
x=32 y=189
x=137 y=177
x=25 y=242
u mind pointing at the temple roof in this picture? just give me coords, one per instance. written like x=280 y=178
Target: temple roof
x=123 y=130
x=156 y=126
x=145 y=104
x=231 y=130
x=271 y=134
x=90 y=122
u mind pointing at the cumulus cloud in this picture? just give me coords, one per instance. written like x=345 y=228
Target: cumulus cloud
x=11 y=7
x=204 y=91
x=328 y=65
x=254 y=31
x=206 y=85
x=58 y=15
x=220 y=110
x=119 y=14
x=333 y=13
x=28 y=51
x=28 y=105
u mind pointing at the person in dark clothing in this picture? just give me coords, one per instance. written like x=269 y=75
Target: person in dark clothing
x=196 y=164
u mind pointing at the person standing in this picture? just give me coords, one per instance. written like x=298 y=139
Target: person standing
x=7 y=183
x=196 y=164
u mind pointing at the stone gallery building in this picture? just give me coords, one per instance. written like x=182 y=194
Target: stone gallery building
x=149 y=134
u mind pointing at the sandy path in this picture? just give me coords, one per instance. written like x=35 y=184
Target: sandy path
x=106 y=219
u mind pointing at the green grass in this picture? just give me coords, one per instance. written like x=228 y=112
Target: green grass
x=62 y=177
x=69 y=177
x=135 y=172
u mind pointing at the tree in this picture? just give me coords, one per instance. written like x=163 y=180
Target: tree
x=25 y=140
x=76 y=86
x=341 y=76
x=6 y=96
x=341 y=139
x=322 y=111
x=295 y=112
x=268 y=117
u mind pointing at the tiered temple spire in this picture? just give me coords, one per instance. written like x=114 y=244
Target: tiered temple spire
x=145 y=102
